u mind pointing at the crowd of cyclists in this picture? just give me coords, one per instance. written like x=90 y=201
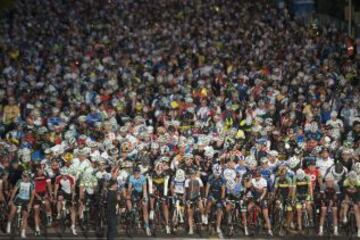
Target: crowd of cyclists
x=221 y=115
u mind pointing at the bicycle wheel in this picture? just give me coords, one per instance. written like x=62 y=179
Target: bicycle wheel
x=63 y=222
x=197 y=221
x=86 y=224
x=130 y=223
x=44 y=220
x=15 y=228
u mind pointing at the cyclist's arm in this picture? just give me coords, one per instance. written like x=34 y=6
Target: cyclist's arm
x=207 y=188
x=263 y=194
x=1 y=191
x=294 y=191
x=32 y=197
x=56 y=190
x=223 y=192
x=13 y=193
x=145 y=190
x=48 y=183
x=310 y=190
x=73 y=192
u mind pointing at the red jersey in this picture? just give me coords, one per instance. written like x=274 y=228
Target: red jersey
x=314 y=176
x=66 y=183
x=40 y=183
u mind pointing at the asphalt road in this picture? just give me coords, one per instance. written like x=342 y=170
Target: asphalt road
x=53 y=233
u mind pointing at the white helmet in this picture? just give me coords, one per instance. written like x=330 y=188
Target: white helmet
x=64 y=171
x=217 y=170
x=229 y=174
x=180 y=175
x=300 y=174
x=356 y=167
x=293 y=162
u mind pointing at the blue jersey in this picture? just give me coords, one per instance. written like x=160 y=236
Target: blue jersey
x=137 y=183
x=215 y=185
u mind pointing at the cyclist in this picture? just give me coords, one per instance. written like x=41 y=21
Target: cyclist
x=352 y=195
x=303 y=192
x=43 y=191
x=137 y=191
x=22 y=195
x=65 y=191
x=193 y=189
x=234 y=193
x=330 y=192
x=215 y=194
x=283 y=189
x=259 y=190
x=160 y=181
x=87 y=188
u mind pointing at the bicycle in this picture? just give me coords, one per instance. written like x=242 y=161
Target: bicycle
x=64 y=213
x=158 y=220
x=278 y=218
x=235 y=223
x=305 y=217
x=254 y=219
x=3 y=215
x=85 y=224
x=133 y=218
x=194 y=204
x=43 y=217
x=178 y=213
x=101 y=218
x=350 y=227
x=17 y=221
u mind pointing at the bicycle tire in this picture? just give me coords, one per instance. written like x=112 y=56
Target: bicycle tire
x=63 y=222
x=14 y=226
x=44 y=221
x=197 y=221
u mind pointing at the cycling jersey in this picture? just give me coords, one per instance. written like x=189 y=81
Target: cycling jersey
x=137 y=183
x=314 y=176
x=179 y=186
x=302 y=187
x=352 y=189
x=89 y=182
x=24 y=190
x=193 y=187
x=258 y=187
x=283 y=186
x=122 y=180
x=40 y=183
x=235 y=193
x=216 y=185
x=329 y=194
x=66 y=183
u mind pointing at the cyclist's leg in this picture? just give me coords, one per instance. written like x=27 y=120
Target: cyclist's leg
x=59 y=205
x=228 y=209
x=37 y=216
x=323 y=212
x=190 y=214
x=25 y=215
x=345 y=208
x=357 y=214
x=81 y=203
x=265 y=212
x=335 y=218
x=309 y=208
x=165 y=208
x=145 y=212
x=219 y=214
x=299 y=214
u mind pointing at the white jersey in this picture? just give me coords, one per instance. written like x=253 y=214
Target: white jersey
x=324 y=165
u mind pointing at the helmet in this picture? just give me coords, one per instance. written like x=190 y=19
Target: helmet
x=165 y=159
x=310 y=161
x=230 y=184
x=300 y=174
x=137 y=169
x=217 y=170
x=64 y=171
x=68 y=157
x=252 y=164
x=180 y=175
x=293 y=162
x=282 y=171
x=26 y=173
x=229 y=174
x=356 y=167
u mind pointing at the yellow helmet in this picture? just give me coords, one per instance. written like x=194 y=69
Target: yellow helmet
x=68 y=157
